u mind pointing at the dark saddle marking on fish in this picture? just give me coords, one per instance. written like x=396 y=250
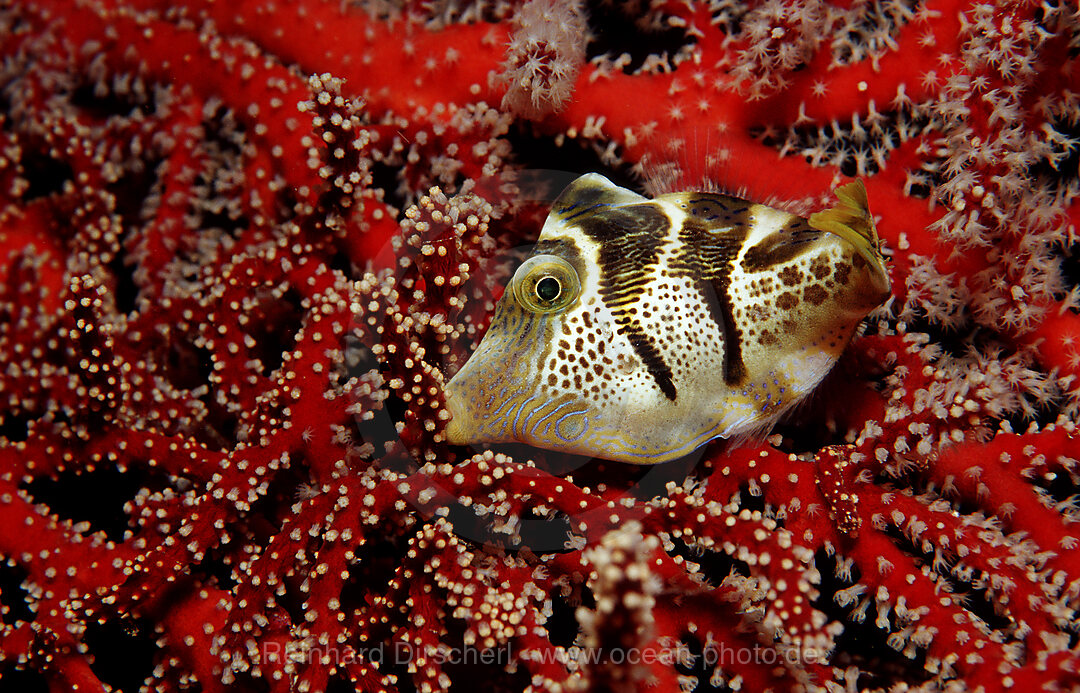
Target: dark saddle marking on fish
x=780 y=247
x=714 y=230
x=629 y=239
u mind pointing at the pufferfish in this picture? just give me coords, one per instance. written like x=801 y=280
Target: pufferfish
x=639 y=329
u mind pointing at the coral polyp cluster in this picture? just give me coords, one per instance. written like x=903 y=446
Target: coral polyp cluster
x=244 y=245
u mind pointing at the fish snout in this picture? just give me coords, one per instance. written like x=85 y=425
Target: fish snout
x=461 y=429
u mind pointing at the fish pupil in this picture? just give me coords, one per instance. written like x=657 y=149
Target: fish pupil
x=548 y=289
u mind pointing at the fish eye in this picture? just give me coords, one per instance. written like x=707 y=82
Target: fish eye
x=546 y=284
x=548 y=288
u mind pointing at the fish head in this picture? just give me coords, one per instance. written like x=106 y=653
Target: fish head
x=638 y=329
x=536 y=376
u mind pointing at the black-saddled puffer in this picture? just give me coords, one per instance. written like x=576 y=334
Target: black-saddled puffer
x=640 y=329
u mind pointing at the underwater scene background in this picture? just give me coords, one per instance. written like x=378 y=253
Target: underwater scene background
x=244 y=245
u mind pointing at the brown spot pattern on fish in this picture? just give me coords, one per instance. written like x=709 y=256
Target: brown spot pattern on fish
x=787 y=301
x=629 y=244
x=815 y=294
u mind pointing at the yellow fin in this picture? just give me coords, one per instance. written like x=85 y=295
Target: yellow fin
x=850 y=219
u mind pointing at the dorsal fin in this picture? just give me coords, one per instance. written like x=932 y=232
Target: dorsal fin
x=590 y=193
x=850 y=219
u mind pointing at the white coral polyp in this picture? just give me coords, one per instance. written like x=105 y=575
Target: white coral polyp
x=543 y=58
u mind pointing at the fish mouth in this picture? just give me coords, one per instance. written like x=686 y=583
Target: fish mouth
x=458 y=430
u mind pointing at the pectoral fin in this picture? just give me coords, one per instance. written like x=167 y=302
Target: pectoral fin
x=850 y=219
